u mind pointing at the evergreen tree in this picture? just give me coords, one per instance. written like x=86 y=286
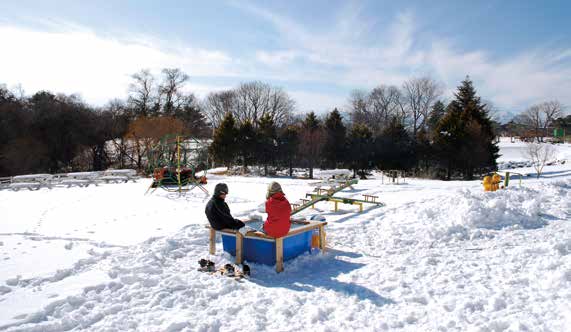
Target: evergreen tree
x=311 y=122
x=438 y=112
x=266 y=144
x=335 y=145
x=423 y=151
x=360 y=149
x=395 y=149
x=193 y=119
x=247 y=139
x=311 y=141
x=464 y=138
x=224 y=142
x=288 y=146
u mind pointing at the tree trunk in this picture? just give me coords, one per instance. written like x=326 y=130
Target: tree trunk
x=311 y=171
x=448 y=172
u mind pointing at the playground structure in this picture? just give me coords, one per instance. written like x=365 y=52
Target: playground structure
x=492 y=181
x=325 y=191
x=178 y=164
x=394 y=176
x=558 y=135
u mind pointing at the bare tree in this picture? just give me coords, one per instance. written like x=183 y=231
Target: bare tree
x=534 y=118
x=376 y=108
x=142 y=93
x=383 y=104
x=217 y=105
x=551 y=111
x=539 y=154
x=358 y=106
x=171 y=89
x=256 y=99
x=418 y=96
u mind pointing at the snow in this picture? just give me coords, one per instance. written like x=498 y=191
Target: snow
x=439 y=256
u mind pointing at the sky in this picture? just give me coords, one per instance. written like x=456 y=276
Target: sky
x=517 y=52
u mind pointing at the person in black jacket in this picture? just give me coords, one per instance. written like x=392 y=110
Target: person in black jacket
x=218 y=212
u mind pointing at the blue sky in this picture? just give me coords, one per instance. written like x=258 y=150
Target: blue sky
x=517 y=52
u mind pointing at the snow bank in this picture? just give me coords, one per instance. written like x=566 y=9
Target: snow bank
x=475 y=213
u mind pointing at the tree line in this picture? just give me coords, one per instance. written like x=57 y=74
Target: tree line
x=56 y=133
x=387 y=128
x=536 y=122
x=407 y=128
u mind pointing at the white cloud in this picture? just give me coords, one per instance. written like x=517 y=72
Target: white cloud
x=278 y=58
x=317 y=102
x=513 y=82
x=350 y=53
x=76 y=60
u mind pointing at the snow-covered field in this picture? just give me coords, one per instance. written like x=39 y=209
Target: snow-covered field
x=441 y=256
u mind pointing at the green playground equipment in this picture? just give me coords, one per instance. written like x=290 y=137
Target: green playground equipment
x=559 y=135
x=176 y=162
x=334 y=186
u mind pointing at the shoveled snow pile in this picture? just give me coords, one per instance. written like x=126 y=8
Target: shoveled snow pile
x=475 y=213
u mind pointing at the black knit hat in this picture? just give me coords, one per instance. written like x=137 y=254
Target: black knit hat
x=221 y=188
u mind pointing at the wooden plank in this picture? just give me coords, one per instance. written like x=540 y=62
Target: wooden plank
x=309 y=226
x=322 y=238
x=279 y=255
x=239 y=246
x=212 y=241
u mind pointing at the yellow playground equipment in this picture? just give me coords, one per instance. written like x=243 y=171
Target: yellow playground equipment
x=492 y=182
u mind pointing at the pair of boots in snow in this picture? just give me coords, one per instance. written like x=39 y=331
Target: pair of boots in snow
x=228 y=270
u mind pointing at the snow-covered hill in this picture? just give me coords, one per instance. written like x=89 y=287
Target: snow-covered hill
x=440 y=256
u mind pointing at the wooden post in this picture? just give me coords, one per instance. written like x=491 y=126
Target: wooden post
x=335 y=206
x=239 y=246
x=279 y=255
x=322 y=238
x=212 y=241
x=360 y=207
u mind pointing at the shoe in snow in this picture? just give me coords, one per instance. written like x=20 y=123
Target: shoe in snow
x=206 y=265
x=229 y=270
x=245 y=269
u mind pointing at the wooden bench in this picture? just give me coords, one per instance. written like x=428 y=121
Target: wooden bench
x=114 y=179
x=73 y=182
x=308 y=226
x=118 y=175
x=31 y=182
x=80 y=179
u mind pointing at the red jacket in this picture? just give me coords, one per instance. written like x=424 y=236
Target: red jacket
x=278 y=209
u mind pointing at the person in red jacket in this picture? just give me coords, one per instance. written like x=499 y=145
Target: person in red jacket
x=278 y=210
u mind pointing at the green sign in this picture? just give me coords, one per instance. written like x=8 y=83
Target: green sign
x=559 y=132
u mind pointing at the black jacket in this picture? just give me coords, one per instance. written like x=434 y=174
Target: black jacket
x=218 y=214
